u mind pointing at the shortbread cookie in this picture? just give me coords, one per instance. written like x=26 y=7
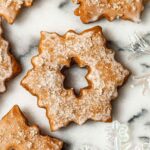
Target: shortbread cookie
x=8 y=65
x=93 y=10
x=15 y=134
x=10 y=8
x=46 y=81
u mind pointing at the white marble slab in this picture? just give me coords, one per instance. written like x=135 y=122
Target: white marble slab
x=131 y=106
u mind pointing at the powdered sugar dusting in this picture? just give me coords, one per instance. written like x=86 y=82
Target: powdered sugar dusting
x=21 y=136
x=10 y=8
x=92 y=10
x=46 y=81
x=5 y=62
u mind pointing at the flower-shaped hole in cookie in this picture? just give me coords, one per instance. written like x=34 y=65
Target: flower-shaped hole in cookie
x=76 y=77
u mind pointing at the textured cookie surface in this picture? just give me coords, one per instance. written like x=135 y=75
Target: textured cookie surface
x=15 y=134
x=8 y=65
x=10 y=8
x=46 y=81
x=93 y=10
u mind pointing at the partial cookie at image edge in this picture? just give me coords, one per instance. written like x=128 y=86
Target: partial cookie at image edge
x=19 y=135
x=9 y=67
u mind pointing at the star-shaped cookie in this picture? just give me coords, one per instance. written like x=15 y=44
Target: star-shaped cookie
x=8 y=65
x=45 y=80
x=16 y=134
x=93 y=10
x=9 y=9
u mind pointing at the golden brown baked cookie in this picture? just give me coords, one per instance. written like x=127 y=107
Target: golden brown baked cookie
x=46 y=81
x=15 y=134
x=8 y=65
x=9 y=9
x=93 y=10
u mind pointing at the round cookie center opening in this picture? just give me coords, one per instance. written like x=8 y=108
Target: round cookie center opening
x=75 y=78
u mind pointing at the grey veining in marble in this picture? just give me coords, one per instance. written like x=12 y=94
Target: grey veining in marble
x=137 y=116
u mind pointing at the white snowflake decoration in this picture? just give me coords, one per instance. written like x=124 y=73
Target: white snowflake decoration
x=118 y=136
x=143 y=80
x=139 y=46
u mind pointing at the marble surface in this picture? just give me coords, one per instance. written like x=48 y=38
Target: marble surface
x=131 y=107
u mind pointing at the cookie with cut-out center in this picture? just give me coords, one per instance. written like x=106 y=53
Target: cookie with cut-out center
x=93 y=10
x=8 y=65
x=9 y=9
x=45 y=80
x=16 y=134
